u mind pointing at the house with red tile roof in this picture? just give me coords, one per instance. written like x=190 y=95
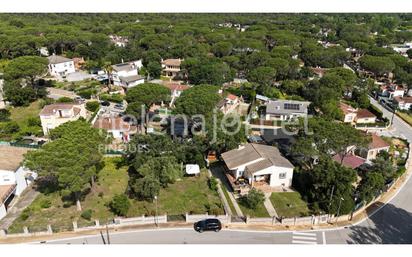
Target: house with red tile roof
x=229 y=103
x=364 y=116
x=354 y=115
x=403 y=103
x=376 y=146
x=350 y=160
x=53 y=115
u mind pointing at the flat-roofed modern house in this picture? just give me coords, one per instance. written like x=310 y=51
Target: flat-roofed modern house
x=286 y=109
x=53 y=115
x=14 y=178
x=126 y=74
x=258 y=165
x=60 y=66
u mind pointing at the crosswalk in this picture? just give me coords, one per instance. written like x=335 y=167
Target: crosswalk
x=304 y=238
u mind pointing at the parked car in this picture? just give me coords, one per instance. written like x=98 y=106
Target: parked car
x=119 y=106
x=208 y=225
x=105 y=103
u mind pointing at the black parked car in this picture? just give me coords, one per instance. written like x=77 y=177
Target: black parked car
x=208 y=224
x=105 y=103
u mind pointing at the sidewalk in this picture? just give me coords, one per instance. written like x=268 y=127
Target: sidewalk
x=269 y=206
x=14 y=212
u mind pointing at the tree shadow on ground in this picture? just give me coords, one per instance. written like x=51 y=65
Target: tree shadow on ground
x=390 y=225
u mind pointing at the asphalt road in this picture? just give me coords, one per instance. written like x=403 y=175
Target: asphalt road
x=392 y=224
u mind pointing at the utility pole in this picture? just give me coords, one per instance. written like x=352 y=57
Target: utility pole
x=337 y=214
x=330 y=200
x=156 y=219
x=107 y=232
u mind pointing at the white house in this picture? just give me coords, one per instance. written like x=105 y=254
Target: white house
x=60 y=66
x=229 y=103
x=259 y=165
x=14 y=178
x=127 y=74
x=403 y=103
x=286 y=109
x=116 y=127
x=53 y=115
x=171 y=67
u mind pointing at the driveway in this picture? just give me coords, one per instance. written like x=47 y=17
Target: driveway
x=14 y=212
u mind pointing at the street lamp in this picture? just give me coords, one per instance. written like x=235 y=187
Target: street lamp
x=156 y=219
x=340 y=203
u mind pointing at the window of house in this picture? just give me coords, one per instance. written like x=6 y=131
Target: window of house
x=282 y=175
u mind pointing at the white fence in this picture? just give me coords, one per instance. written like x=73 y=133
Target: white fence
x=190 y=218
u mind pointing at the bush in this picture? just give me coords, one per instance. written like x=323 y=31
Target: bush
x=64 y=100
x=34 y=122
x=213 y=184
x=116 y=98
x=45 y=203
x=10 y=128
x=25 y=214
x=92 y=106
x=87 y=214
x=4 y=115
x=120 y=205
x=87 y=93
x=253 y=199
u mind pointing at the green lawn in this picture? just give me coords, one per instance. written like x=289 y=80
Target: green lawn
x=259 y=212
x=406 y=117
x=289 y=204
x=191 y=194
x=22 y=114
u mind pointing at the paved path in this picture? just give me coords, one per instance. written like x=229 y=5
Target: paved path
x=218 y=173
x=14 y=212
x=269 y=206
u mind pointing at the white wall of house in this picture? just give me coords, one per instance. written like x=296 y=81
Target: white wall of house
x=62 y=69
x=366 y=120
x=132 y=84
x=396 y=93
x=3 y=211
x=238 y=171
x=22 y=178
x=349 y=117
x=279 y=176
x=7 y=177
x=404 y=106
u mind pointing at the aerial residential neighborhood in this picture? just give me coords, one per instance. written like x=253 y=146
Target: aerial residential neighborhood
x=294 y=123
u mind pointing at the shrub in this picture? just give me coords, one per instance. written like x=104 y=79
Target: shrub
x=64 y=100
x=25 y=214
x=87 y=93
x=253 y=199
x=92 y=106
x=4 y=115
x=34 y=122
x=87 y=214
x=10 y=128
x=116 y=98
x=213 y=184
x=120 y=205
x=45 y=203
